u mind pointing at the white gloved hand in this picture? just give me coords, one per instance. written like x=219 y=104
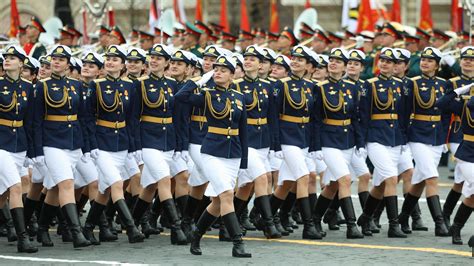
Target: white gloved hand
x=185 y=156
x=361 y=152
x=279 y=155
x=404 y=148
x=359 y=41
x=448 y=60
x=312 y=155
x=319 y=155
x=26 y=162
x=95 y=154
x=271 y=154
x=205 y=78
x=139 y=156
x=445 y=148
x=40 y=164
x=464 y=89
x=131 y=155
x=176 y=155
x=86 y=157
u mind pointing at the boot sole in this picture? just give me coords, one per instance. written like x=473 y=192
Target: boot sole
x=27 y=250
x=242 y=255
x=196 y=253
x=419 y=229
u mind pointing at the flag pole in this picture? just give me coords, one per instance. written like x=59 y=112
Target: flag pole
x=161 y=18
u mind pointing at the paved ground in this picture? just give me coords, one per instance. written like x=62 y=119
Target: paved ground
x=419 y=248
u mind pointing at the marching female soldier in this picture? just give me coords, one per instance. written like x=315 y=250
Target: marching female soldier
x=455 y=135
x=426 y=137
x=260 y=116
x=111 y=140
x=16 y=143
x=459 y=100
x=381 y=121
x=336 y=133
x=294 y=103
x=223 y=152
x=59 y=135
x=155 y=135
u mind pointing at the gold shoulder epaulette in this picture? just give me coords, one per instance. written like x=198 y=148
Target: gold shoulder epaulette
x=361 y=81
x=25 y=80
x=238 y=80
x=397 y=79
x=127 y=80
x=265 y=81
x=308 y=80
x=200 y=50
x=196 y=78
x=170 y=78
x=234 y=90
x=454 y=79
x=321 y=83
x=143 y=78
x=45 y=79
x=1 y=78
x=416 y=78
x=271 y=79
x=285 y=79
x=373 y=79
x=99 y=80
x=72 y=79
x=349 y=81
x=439 y=78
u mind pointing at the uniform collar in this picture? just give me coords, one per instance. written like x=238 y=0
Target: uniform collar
x=109 y=77
x=295 y=77
x=132 y=77
x=153 y=76
x=428 y=77
x=333 y=80
x=220 y=88
x=383 y=77
x=56 y=76
x=466 y=77
x=351 y=79
x=12 y=80
x=247 y=78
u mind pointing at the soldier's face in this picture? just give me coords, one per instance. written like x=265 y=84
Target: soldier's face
x=27 y=73
x=283 y=42
x=32 y=32
x=59 y=65
x=354 y=67
x=222 y=75
x=146 y=44
x=321 y=73
x=251 y=63
x=158 y=63
x=89 y=70
x=12 y=63
x=207 y=63
x=437 y=42
x=265 y=69
x=135 y=66
x=239 y=73
x=400 y=68
x=178 y=68
x=386 y=66
x=428 y=65
x=278 y=71
x=113 y=64
x=45 y=71
x=467 y=65
x=298 y=64
x=318 y=45
x=336 y=66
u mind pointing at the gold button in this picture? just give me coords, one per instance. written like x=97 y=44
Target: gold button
x=228 y=137
x=258 y=128
x=69 y=125
x=391 y=125
x=116 y=131
x=118 y=112
x=345 y=129
x=302 y=126
x=164 y=128
x=433 y=125
x=14 y=130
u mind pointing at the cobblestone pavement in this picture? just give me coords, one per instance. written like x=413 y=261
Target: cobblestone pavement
x=419 y=248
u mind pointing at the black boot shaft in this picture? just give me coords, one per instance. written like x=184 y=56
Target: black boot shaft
x=436 y=213
x=309 y=230
x=262 y=204
x=349 y=214
x=23 y=244
x=394 y=230
x=233 y=226
x=134 y=236
x=70 y=211
x=177 y=235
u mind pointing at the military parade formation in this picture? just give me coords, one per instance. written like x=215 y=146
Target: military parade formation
x=183 y=131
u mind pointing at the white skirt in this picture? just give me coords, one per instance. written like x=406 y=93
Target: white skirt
x=294 y=164
x=61 y=165
x=406 y=160
x=338 y=163
x=426 y=161
x=258 y=165
x=85 y=173
x=177 y=166
x=109 y=166
x=222 y=174
x=466 y=169
x=197 y=176
x=11 y=169
x=130 y=168
x=275 y=163
x=157 y=166
x=385 y=160
x=358 y=166
x=321 y=166
x=458 y=178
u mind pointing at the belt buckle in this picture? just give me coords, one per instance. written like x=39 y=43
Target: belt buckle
x=392 y=116
x=68 y=117
x=14 y=123
x=259 y=121
x=303 y=119
x=345 y=122
x=116 y=124
x=432 y=118
x=165 y=120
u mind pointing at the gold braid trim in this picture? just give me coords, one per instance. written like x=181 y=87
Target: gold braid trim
x=218 y=115
x=10 y=106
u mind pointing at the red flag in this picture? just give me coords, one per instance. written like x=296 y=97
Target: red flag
x=456 y=16
x=244 y=18
x=198 y=10
x=14 y=19
x=426 y=22
x=396 y=16
x=111 y=14
x=365 y=21
x=307 y=4
x=85 y=36
x=224 y=21
x=274 y=20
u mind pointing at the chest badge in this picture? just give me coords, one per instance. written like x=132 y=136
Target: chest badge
x=423 y=88
x=382 y=90
x=152 y=90
x=108 y=91
x=55 y=88
x=5 y=92
x=332 y=92
x=126 y=94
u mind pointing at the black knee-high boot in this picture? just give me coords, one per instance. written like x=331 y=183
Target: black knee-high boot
x=349 y=214
x=449 y=206
x=407 y=208
x=377 y=214
x=63 y=229
x=275 y=204
x=29 y=208
x=312 y=200
x=203 y=223
x=363 y=198
x=81 y=203
x=204 y=202
x=462 y=215
x=70 y=212
x=177 y=235
x=435 y=209
x=188 y=214
x=134 y=236
x=232 y=224
x=138 y=214
x=309 y=231
x=105 y=233
x=322 y=204
x=155 y=212
x=330 y=218
x=368 y=211
x=93 y=218
x=285 y=210
x=6 y=218
x=417 y=222
x=23 y=244
x=244 y=217
x=110 y=213
x=394 y=231
x=262 y=204
x=46 y=215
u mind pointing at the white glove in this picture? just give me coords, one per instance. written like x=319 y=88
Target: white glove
x=26 y=162
x=445 y=148
x=279 y=154
x=185 y=156
x=176 y=155
x=95 y=154
x=241 y=172
x=312 y=155
x=271 y=154
x=464 y=89
x=86 y=157
x=361 y=152
x=139 y=156
x=205 y=78
x=41 y=165
x=448 y=60
x=404 y=148
x=359 y=41
x=318 y=155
